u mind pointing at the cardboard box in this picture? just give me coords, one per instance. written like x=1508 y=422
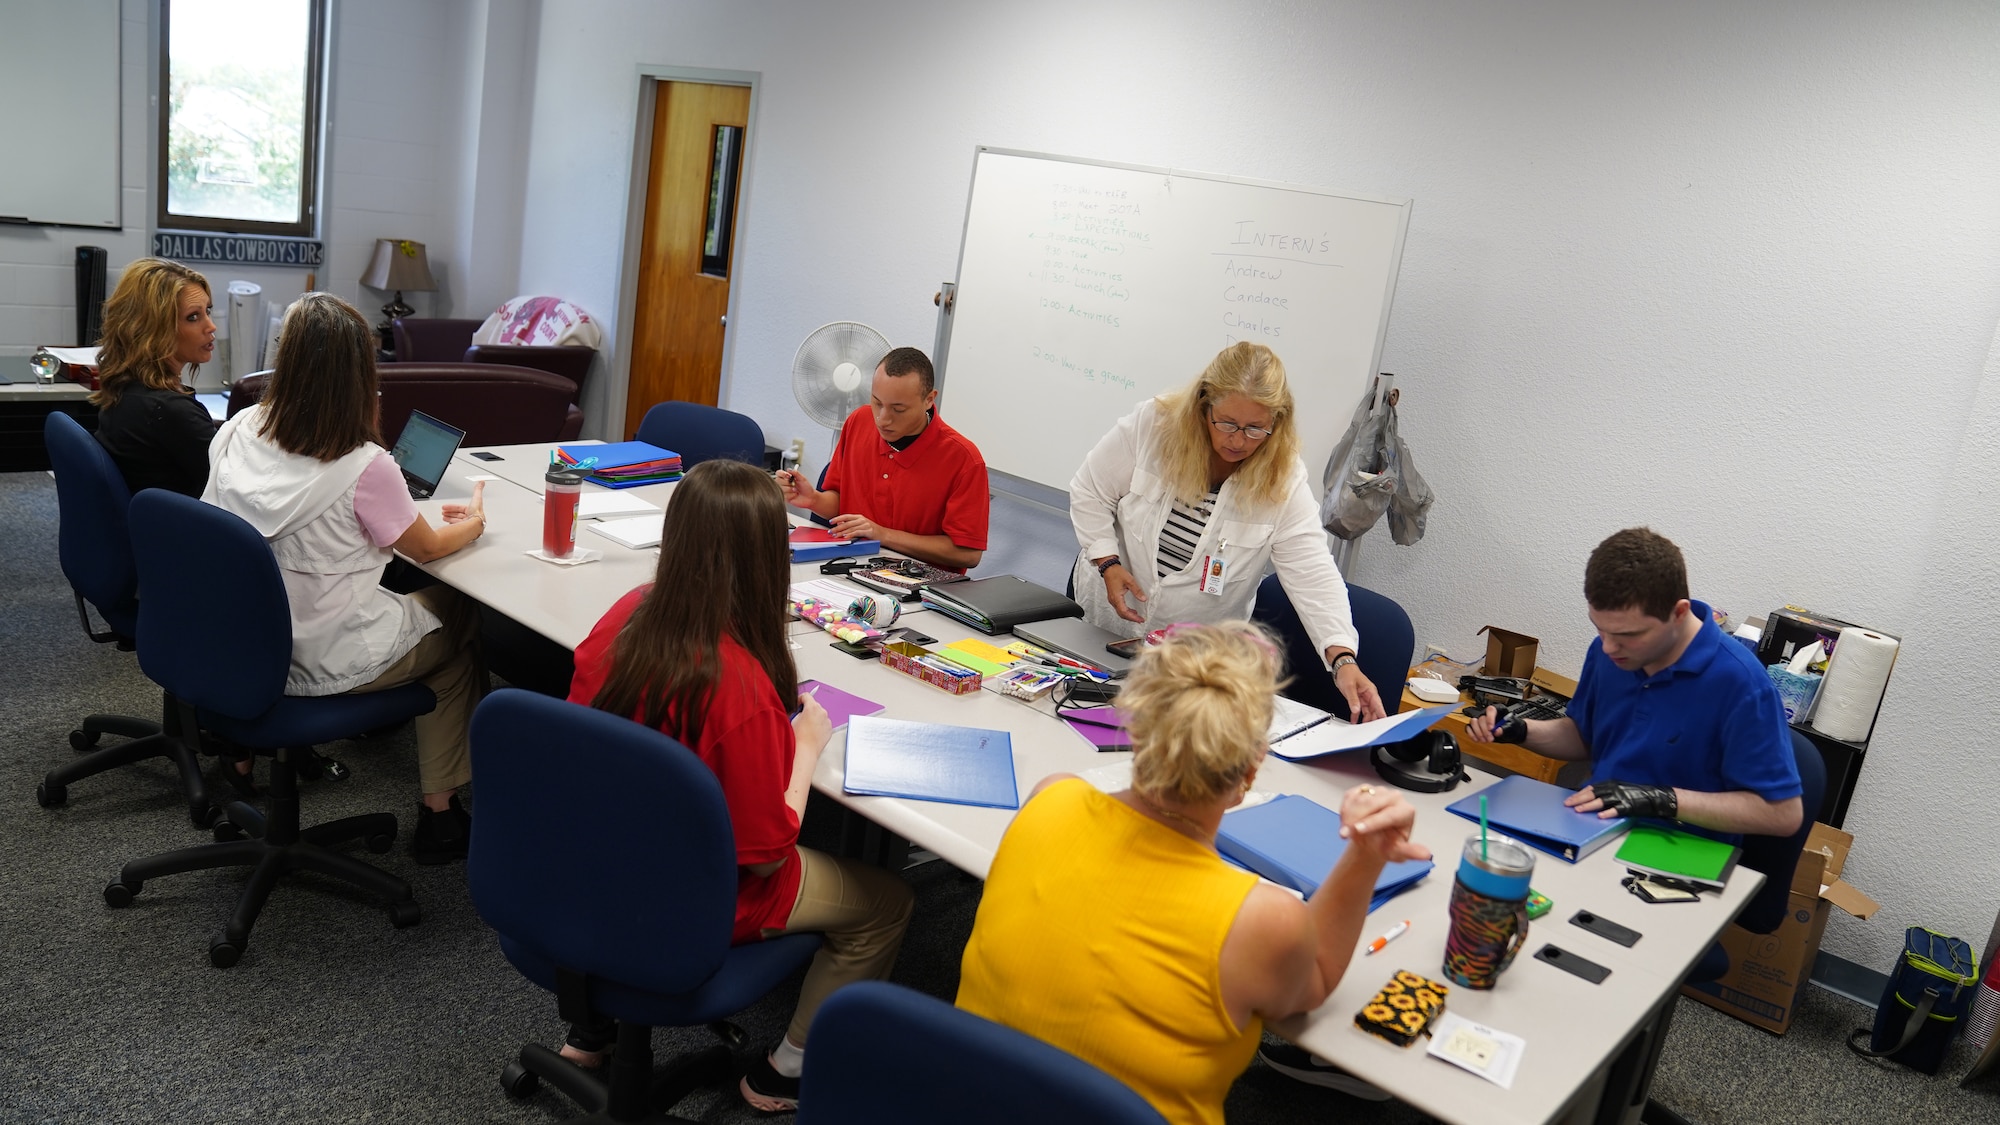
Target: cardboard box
x=1509 y=653
x=1766 y=971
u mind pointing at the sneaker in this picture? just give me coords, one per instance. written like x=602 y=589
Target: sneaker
x=766 y=1090
x=441 y=837
x=1297 y=1062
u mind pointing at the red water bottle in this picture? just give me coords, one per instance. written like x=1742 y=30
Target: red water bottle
x=562 y=490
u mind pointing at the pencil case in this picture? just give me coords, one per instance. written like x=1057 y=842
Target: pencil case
x=918 y=661
x=1404 y=1009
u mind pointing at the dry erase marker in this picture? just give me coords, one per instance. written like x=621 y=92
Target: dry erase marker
x=1395 y=932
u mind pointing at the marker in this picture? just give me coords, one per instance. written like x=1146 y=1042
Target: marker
x=1395 y=932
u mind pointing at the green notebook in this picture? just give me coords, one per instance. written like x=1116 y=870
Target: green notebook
x=1678 y=855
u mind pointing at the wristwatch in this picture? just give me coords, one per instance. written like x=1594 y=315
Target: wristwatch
x=1109 y=562
x=1343 y=659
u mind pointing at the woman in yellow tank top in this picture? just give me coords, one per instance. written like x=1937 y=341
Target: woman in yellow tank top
x=1112 y=928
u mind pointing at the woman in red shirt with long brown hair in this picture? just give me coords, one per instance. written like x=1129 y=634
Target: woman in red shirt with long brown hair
x=701 y=655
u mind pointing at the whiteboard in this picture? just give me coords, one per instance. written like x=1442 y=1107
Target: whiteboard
x=59 y=79
x=1085 y=288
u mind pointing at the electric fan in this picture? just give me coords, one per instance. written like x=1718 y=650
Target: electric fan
x=831 y=371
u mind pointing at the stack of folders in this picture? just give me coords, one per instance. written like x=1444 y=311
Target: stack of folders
x=1533 y=812
x=930 y=762
x=810 y=544
x=1294 y=842
x=995 y=605
x=625 y=464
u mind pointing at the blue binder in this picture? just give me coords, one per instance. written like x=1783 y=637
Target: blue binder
x=1533 y=812
x=1294 y=842
x=930 y=762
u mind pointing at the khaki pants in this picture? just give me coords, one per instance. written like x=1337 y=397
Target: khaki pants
x=861 y=911
x=447 y=662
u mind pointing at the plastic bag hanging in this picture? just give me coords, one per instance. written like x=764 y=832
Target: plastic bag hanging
x=1357 y=491
x=1370 y=472
x=1410 y=506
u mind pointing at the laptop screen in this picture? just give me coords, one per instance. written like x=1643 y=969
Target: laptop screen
x=425 y=448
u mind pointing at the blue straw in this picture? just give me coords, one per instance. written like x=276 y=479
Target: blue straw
x=1482 y=826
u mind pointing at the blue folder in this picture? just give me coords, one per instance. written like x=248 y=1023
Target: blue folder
x=1294 y=842
x=930 y=762
x=1533 y=812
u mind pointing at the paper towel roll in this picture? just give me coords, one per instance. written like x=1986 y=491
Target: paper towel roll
x=1845 y=707
x=246 y=322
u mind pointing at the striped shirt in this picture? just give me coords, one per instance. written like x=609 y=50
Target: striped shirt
x=1182 y=531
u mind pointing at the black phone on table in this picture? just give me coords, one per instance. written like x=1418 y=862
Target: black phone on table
x=482 y=455
x=1129 y=648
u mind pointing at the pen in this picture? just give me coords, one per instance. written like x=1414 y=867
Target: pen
x=1395 y=932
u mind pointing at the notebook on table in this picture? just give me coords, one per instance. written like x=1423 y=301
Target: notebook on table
x=623 y=464
x=1294 y=842
x=423 y=450
x=995 y=605
x=930 y=762
x=810 y=544
x=1651 y=850
x=1533 y=812
x=840 y=706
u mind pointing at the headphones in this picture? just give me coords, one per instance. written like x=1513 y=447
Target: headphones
x=1428 y=763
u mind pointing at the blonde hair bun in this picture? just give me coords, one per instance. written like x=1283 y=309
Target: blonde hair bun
x=1198 y=705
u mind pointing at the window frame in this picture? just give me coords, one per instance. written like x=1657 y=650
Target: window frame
x=310 y=147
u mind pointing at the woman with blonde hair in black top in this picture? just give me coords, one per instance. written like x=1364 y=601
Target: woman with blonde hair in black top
x=157 y=328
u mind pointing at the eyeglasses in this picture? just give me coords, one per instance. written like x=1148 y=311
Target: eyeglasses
x=1254 y=433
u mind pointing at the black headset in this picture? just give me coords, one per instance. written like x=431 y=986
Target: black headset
x=1428 y=763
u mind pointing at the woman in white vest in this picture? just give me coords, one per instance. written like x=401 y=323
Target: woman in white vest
x=1185 y=503
x=306 y=468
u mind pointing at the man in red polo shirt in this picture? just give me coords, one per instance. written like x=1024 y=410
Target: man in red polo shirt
x=901 y=475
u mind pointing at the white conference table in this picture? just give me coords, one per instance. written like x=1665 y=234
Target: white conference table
x=1575 y=1031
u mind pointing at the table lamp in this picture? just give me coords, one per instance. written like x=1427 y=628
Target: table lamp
x=398 y=264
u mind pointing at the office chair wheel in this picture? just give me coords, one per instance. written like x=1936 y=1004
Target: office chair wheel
x=82 y=741
x=518 y=1081
x=222 y=954
x=49 y=796
x=730 y=1034
x=227 y=830
x=381 y=842
x=121 y=894
x=405 y=914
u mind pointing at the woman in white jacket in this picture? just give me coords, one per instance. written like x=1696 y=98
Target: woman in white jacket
x=1182 y=506
x=306 y=468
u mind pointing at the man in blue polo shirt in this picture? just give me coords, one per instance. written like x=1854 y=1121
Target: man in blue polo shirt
x=1678 y=721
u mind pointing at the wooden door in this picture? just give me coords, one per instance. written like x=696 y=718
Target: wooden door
x=683 y=297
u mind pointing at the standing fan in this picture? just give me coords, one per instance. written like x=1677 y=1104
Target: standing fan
x=831 y=371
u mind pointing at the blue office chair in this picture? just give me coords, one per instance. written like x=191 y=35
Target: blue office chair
x=884 y=1055
x=702 y=433
x=1387 y=642
x=225 y=666
x=96 y=554
x=610 y=875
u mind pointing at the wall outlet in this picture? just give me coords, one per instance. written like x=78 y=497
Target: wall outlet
x=798 y=453
x=1431 y=650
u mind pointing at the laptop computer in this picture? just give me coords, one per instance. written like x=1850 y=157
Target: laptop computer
x=1077 y=638
x=423 y=451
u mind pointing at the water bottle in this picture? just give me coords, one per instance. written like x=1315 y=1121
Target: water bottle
x=45 y=365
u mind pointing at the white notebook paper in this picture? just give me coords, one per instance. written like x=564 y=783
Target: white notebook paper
x=633 y=531
x=604 y=505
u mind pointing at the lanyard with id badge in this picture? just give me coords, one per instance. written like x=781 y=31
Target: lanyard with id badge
x=1214 y=569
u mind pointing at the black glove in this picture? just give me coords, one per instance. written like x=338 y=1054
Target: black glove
x=1510 y=730
x=1631 y=800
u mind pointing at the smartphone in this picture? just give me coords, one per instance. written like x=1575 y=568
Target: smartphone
x=858 y=652
x=482 y=455
x=1128 y=649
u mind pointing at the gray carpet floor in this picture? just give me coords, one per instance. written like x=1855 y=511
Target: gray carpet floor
x=333 y=1015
